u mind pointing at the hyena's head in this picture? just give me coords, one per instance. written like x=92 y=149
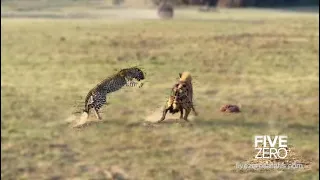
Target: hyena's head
x=180 y=91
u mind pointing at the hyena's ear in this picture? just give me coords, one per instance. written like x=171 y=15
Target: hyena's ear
x=180 y=74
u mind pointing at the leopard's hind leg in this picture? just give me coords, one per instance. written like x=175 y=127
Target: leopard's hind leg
x=96 y=112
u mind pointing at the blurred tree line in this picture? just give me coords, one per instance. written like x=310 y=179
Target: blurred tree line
x=221 y=3
x=245 y=3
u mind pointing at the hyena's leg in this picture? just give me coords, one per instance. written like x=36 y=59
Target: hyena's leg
x=163 y=115
x=193 y=109
x=187 y=114
x=181 y=113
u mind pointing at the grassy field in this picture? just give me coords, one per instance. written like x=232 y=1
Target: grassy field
x=267 y=62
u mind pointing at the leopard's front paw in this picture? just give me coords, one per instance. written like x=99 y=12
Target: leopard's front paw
x=140 y=85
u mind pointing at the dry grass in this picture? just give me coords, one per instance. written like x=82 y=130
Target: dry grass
x=268 y=65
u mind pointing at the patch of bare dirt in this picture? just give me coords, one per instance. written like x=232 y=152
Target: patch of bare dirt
x=80 y=121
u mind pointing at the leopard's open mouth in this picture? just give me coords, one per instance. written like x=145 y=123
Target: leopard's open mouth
x=139 y=79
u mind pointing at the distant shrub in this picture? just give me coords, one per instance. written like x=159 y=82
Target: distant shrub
x=165 y=10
